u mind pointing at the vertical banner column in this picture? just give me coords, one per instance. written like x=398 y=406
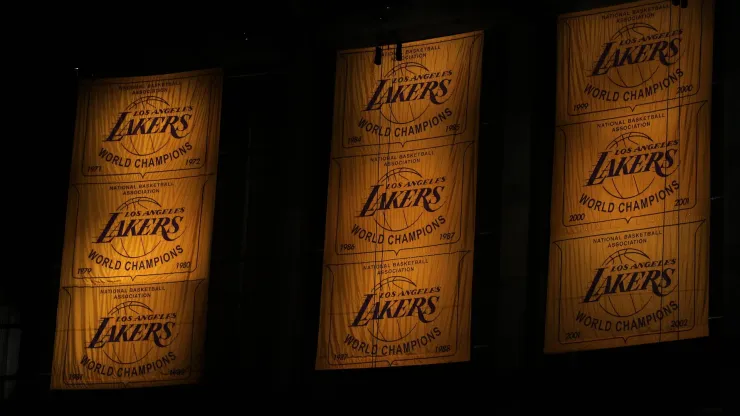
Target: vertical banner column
x=400 y=221
x=134 y=282
x=630 y=201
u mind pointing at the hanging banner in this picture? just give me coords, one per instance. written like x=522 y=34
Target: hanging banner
x=630 y=199
x=633 y=58
x=429 y=98
x=630 y=171
x=630 y=287
x=131 y=230
x=136 y=256
x=396 y=312
x=400 y=223
x=147 y=127
x=401 y=201
x=131 y=335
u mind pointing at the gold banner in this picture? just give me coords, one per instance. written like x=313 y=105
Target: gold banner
x=428 y=186
x=630 y=199
x=147 y=127
x=429 y=98
x=633 y=58
x=130 y=335
x=399 y=311
x=631 y=171
x=134 y=278
x=401 y=206
x=133 y=230
x=630 y=287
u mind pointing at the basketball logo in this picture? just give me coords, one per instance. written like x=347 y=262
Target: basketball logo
x=149 y=143
x=128 y=352
x=137 y=245
x=628 y=280
x=404 y=312
x=131 y=330
x=625 y=187
x=630 y=303
x=397 y=202
x=138 y=227
x=631 y=163
x=405 y=111
x=638 y=73
x=634 y=54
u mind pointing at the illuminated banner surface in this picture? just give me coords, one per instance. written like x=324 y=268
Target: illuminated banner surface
x=400 y=222
x=148 y=127
x=136 y=256
x=132 y=334
x=430 y=97
x=633 y=58
x=630 y=199
x=123 y=233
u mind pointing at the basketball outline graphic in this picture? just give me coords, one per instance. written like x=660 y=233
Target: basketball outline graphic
x=138 y=246
x=632 y=185
x=404 y=112
x=629 y=255
x=395 y=329
x=139 y=352
x=385 y=219
x=636 y=74
x=152 y=143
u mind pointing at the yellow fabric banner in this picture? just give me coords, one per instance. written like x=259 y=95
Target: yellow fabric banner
x=134 y=278
x=132 y=335
x=400 y=222
x=630 y=198
x=633 y=58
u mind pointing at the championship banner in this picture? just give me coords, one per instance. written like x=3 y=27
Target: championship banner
x=432 y=200
x=633 y=58
x=630 y=287
x=139 y=231
x=429 y=98
x=132 y=302
x=131 y=335
x=400 y=221
x=397 y=312
x=631 y=171
x=630 y=196
x=147 y=127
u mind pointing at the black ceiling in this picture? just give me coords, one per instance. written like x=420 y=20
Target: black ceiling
x=111 y=39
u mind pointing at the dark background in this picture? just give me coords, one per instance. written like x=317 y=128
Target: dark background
x=279 y=62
